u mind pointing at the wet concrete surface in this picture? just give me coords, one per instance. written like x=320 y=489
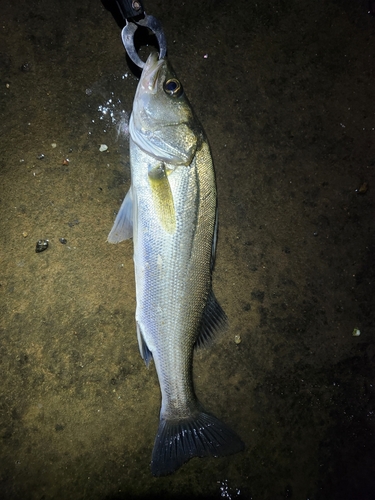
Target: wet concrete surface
x=285 y=92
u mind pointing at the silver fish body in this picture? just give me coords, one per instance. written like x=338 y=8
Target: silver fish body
x=170 y=211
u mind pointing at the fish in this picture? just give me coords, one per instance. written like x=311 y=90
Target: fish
x=170 y=211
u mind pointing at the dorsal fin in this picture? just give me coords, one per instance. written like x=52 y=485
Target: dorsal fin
x=214 y=320
x=214 y=240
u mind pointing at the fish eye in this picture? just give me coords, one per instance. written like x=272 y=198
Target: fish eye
x=173 y=87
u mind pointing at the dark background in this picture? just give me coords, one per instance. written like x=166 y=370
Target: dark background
x=285 y=92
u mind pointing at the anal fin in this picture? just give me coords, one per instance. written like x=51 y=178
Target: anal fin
x=146 y=354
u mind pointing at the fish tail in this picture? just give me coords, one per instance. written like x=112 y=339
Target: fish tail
x=201 y=435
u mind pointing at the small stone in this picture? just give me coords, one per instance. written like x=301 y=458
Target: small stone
x=41 y=245
x=25 y=67
x=103 y=147
x=237 y=339
x=24 y=234
x=356 y=332
x=63 y=241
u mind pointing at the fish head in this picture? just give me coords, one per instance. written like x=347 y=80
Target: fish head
x=162 y=121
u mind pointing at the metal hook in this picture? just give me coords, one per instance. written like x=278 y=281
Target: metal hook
x=127 y=35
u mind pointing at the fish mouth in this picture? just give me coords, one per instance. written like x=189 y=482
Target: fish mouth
x=150 y=73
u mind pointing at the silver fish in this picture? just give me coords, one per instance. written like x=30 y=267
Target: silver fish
x=170 y=211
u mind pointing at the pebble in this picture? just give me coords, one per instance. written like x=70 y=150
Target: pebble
x=41 y=245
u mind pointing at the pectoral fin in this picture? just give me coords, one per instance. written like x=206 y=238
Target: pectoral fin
x=162 y=197
x=123 y=226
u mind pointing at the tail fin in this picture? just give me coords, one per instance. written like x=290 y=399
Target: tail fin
x=179 y=440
